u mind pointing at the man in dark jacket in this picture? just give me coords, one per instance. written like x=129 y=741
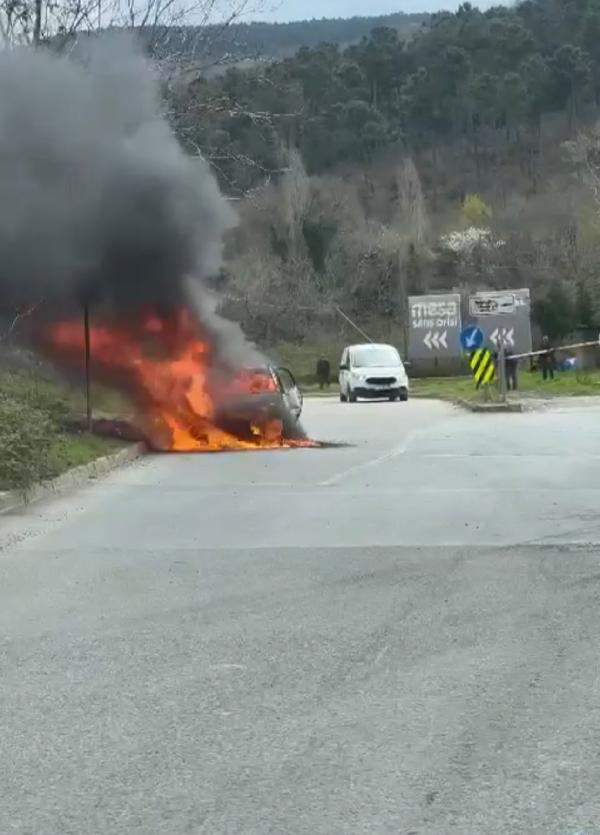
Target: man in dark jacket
x=547 y=359
x=323 y=372
x=511 y=365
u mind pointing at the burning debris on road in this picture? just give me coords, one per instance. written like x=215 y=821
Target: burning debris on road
x=101 y=208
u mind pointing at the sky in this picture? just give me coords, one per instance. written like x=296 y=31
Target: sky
x=286 y=10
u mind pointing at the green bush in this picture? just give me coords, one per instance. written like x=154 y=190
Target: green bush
x=26 y=436
x=40 y=394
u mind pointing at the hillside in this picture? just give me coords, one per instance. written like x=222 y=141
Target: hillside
x=468 y=76
x=267 y=41
x=398 y=165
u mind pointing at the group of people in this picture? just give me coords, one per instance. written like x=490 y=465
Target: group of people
x=546 y=364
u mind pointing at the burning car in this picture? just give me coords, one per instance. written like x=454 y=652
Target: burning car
x=183 y=399
x=263 y=402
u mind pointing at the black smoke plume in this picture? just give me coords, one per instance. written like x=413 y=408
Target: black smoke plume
x=98 y=203
x=100 y=207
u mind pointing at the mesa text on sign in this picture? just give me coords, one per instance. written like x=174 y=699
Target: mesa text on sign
x=434 y=325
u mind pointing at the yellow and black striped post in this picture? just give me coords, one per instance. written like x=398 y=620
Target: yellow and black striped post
x=482 y=366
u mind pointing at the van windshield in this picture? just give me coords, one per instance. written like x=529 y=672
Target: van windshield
x=375 y=357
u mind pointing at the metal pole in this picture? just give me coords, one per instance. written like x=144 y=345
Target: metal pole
x=354 y=325
x=593 y=344
x=502 y=370
x=88 y=397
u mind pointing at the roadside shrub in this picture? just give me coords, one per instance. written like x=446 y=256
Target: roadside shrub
x=26 y=436
x=38 y=394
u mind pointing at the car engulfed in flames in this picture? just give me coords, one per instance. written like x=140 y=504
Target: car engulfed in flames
x=183 y=399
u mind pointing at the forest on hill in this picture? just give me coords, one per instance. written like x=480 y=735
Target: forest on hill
x=402 y=164
x=464 y=76
x=263 y=41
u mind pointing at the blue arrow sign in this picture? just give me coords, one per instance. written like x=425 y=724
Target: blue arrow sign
x=471 y=338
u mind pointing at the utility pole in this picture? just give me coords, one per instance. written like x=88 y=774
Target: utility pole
x=502 y=371
x=354 y=325
x=88 y=394
x=37 y=22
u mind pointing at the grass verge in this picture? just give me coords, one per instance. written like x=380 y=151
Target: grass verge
x=302 y=359
x=565 y=384
x=34 y=442
x=531 y=384
x=70 y=450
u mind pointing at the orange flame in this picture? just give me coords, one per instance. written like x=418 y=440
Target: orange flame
x=163 y=363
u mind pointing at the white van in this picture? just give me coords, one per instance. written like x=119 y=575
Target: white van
x=372 y=371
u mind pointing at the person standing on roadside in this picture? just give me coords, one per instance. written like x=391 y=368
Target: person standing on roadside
x=323 y=372
x=547 y=359
x=511 y=365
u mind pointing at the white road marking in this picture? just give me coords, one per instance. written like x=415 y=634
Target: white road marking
x=374 y=462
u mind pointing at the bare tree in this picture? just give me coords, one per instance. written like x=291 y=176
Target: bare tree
x=584 y=151
x=412 y=213
x=295 y=194
x=57 y=22
x=37 y=21
x=185 y=39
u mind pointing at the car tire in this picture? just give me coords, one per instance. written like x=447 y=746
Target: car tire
x=403 y=396
x=351 y=396
x=394 y=398
x=343 y=398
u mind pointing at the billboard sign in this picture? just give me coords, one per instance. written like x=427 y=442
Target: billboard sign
x=434 y=326
x=504 y=318
x=490 y=304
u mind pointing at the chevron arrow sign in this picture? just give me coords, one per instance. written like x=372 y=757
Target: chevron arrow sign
x=436 y=340
x=503 y=336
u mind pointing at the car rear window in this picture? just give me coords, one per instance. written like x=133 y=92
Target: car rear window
x=256 y=380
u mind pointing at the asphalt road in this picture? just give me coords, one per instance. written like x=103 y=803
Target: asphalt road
x=400 y=636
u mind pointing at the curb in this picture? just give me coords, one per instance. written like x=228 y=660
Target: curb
x=489 y=407
x=78 y=476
